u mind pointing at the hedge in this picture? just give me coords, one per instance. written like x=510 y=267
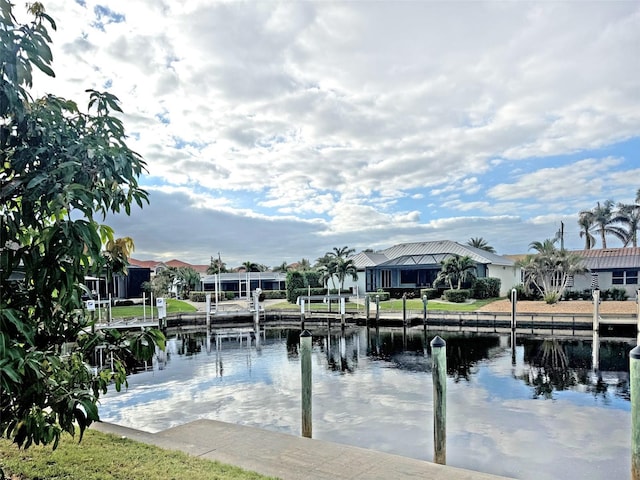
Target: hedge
x=384 y=296
x=431 y=293
x=485 y=288
x=457 y=296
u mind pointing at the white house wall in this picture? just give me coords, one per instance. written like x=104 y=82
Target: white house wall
x=509 y=277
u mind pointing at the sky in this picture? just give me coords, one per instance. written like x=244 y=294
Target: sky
x=275 y=131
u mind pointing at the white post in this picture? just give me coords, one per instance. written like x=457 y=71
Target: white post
x=151 y=306
x=208 y=308
x=216 y=287
x=256 y=315
x=144 y=306
x=109 y=311
x=596 y=310
x=638 y=315
x=99 y=306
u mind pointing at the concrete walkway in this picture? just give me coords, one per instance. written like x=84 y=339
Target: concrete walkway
x=289 y=457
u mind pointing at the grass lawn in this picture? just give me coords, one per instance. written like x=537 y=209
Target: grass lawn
x=102 y=456
x=173 y=306
x=391 y=305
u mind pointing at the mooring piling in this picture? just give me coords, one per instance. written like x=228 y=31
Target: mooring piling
x=439 y=375
x=634 y=384
x=305 y=367
x=425 y=302
x=596 y=310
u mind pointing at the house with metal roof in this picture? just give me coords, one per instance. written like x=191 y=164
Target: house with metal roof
x=610 y=267
x=415 y=265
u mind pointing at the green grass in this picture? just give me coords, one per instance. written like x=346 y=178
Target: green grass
x=103 y=456
x=173 y=306
x=416 y=304
x=392 y=305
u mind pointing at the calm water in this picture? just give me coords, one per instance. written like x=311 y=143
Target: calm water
x=539 y=412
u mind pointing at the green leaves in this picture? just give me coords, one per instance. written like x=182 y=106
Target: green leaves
x=60 y=167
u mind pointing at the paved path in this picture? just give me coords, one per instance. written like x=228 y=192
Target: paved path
x=289 y=457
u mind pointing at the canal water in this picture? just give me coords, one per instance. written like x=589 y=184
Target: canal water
x=536 y=411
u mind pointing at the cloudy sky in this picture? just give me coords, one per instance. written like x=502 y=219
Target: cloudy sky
x=274 y=131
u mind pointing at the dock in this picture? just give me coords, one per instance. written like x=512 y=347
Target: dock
x=289 y=457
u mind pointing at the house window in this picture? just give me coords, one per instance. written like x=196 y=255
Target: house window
x=386 y=278
x=624 y=277
x=408 y=277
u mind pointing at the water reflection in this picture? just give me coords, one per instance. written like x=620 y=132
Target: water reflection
x=372 y=388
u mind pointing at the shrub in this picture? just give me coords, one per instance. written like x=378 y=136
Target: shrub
x=551 y=298
x=198 y=296
x=456 y=296
x=303 y=292
x=123 y=303
x=431 y=293
x=619 y=294
x=526 y=294
x=275 y=294
x=312 y=279
x=295 y=281
x=384 y=296
x=229 y=295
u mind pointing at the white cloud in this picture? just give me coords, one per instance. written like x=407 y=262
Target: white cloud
x=364 y=123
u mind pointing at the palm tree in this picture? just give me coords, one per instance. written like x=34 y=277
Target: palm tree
x=456 y=269
x=186 y=279
x=481 y=243
x=585 y=221
x=326 y=266
x=304 y=265
x=283 y=267
x=604 y=222
x=343 y=268
x=550 y=269
x=252 y=267
x=629 y=214
x=217 y=266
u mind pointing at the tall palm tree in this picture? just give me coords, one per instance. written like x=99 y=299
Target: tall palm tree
x=304 y=265
x=343 y=268
x=283 y=267
x=585 y=221
x=604 y=222
x=186 y=279
x=481 y=243
x=629 y=214
x=252 y=266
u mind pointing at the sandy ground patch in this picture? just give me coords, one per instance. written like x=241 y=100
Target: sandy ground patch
x=571 y=306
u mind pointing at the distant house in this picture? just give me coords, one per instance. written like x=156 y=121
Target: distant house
x=415 y=265
x=610 y=267
x=242 y=283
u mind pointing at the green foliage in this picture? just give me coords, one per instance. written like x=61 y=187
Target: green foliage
x=617 y=294
x=431 y=293
x=457 y=296
x=60 y=169
x=274 y=294
x=199 y=296
x=551 y=297
x=456 y=269
x=384 y=296
x=295 y=281
x=312 y=279
x=485 y=288
x=303 y=292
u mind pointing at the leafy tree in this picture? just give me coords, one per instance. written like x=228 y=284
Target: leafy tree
x=548 y=271
x=250 y=266
x=294 y=281
x=115 y=258
x=456 y=269
x=61 y=168
x=481 y=243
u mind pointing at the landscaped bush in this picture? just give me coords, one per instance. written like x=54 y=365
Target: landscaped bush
x=572 y=295
x=431 y=293
x=229 y=295
x=303 y=292
x=295 y=281
x=617 y=294
x=457 y=296
x=485 y=288
x=274 y=294
x=524 y=294
x=384 y=296
x=123 y=303
x=198 y=296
